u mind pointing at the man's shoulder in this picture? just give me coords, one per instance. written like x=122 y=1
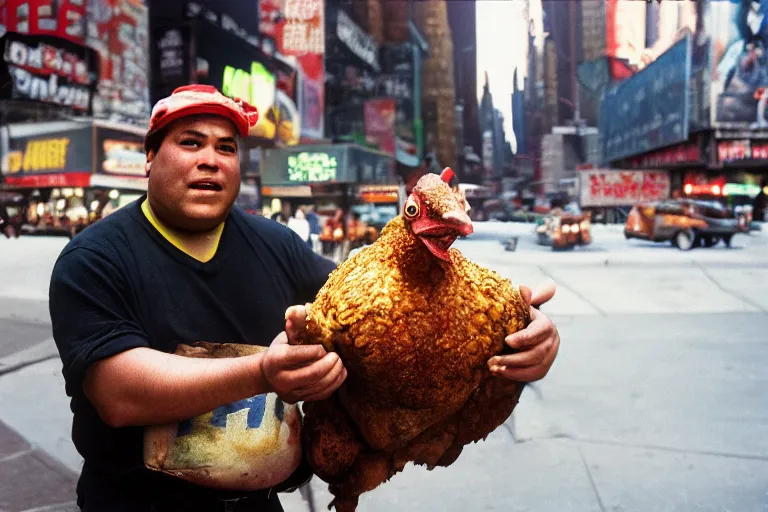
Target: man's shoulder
x=108 y=235
x=262 y=226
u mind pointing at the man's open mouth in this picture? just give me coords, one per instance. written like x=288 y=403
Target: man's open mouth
x=206 y=185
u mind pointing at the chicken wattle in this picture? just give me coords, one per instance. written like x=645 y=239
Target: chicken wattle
x=415 y=324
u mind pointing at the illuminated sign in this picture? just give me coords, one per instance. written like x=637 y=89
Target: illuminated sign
x=257 y=87
x=310 y=167
x=40 y=155
x=124 y=157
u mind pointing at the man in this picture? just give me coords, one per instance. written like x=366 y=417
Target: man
x=183 y=265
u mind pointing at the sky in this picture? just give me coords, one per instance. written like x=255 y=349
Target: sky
x=501 y=46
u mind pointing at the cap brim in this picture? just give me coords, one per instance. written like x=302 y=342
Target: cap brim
x=213 y=109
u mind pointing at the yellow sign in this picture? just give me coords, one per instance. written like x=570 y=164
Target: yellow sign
x=40 y=155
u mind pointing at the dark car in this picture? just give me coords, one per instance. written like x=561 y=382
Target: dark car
x=686 y=223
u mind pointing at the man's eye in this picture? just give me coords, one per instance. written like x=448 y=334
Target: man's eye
x=228 y=149
x=190 y=142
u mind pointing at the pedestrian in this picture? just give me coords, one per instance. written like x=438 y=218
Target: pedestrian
x=299 y=225
x=314 y=227
x=284 y=215
x=182 y=265
x=760 y=204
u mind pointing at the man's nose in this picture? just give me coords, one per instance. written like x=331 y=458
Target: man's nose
x=208 y=158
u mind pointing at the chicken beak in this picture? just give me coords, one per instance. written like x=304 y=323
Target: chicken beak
x=460 y=221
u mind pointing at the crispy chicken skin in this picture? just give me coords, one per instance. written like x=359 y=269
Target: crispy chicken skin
x=415 y=324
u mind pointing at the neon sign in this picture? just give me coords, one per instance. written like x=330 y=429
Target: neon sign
x=311 y=167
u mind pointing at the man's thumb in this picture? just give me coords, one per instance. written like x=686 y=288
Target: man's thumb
x=280 y=339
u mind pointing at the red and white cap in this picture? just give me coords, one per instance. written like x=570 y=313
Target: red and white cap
x=203 y=99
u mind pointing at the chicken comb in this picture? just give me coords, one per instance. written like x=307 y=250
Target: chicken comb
x=447 y=175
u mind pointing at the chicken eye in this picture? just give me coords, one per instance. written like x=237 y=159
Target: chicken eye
x=411 y=210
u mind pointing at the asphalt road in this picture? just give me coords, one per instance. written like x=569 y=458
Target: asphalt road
x=656 y=402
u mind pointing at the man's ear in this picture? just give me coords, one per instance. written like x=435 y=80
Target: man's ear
x=148 y=165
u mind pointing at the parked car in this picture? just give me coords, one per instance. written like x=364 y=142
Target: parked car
x=686 y=223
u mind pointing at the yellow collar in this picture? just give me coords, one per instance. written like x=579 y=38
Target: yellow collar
x=202 y=252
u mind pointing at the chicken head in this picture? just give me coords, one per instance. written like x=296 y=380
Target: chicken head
x=436 y=214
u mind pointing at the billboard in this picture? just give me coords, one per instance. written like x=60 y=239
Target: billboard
x=116 y=29
x=239 y=69
x=632 y=45
x=297 y=30
x=649 y=110
x=47 y=69
x=605 y=188
x=48 y=155
x=119 y=31
x=625 y=35
x=739 y=63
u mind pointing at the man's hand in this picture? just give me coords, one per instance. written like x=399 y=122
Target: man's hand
x=305 y=372
x=535 y=346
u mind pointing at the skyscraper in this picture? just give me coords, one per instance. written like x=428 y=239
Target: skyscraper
x=463 y=20
x=438 y=92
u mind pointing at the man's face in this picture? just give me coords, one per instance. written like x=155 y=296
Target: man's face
x=195 y=175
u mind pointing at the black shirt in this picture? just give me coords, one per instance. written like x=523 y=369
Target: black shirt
x=120 y=285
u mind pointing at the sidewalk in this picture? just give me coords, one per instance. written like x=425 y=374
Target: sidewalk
x=30 y=479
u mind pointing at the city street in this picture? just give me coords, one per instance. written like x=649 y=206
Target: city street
x=657 y=401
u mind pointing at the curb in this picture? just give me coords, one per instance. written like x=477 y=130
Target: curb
x=32 y=355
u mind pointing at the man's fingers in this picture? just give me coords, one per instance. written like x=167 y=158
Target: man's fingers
x=544 y=293
x=329 y=389
x=532 y=357
x=309 y=375
x=325 y=380
x=532 y=334
x=530 y=373
x=526 y=294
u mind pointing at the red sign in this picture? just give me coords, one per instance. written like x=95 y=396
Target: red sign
x=609 y=187
x=738 y=150
x=379 y=118
x=760 y=150
x=65 y=179
x=64 y=19
x=679 y=154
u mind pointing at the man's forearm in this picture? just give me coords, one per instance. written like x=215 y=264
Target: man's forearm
x=143 y=386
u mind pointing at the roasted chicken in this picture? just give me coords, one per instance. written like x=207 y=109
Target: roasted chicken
x=414 y=323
